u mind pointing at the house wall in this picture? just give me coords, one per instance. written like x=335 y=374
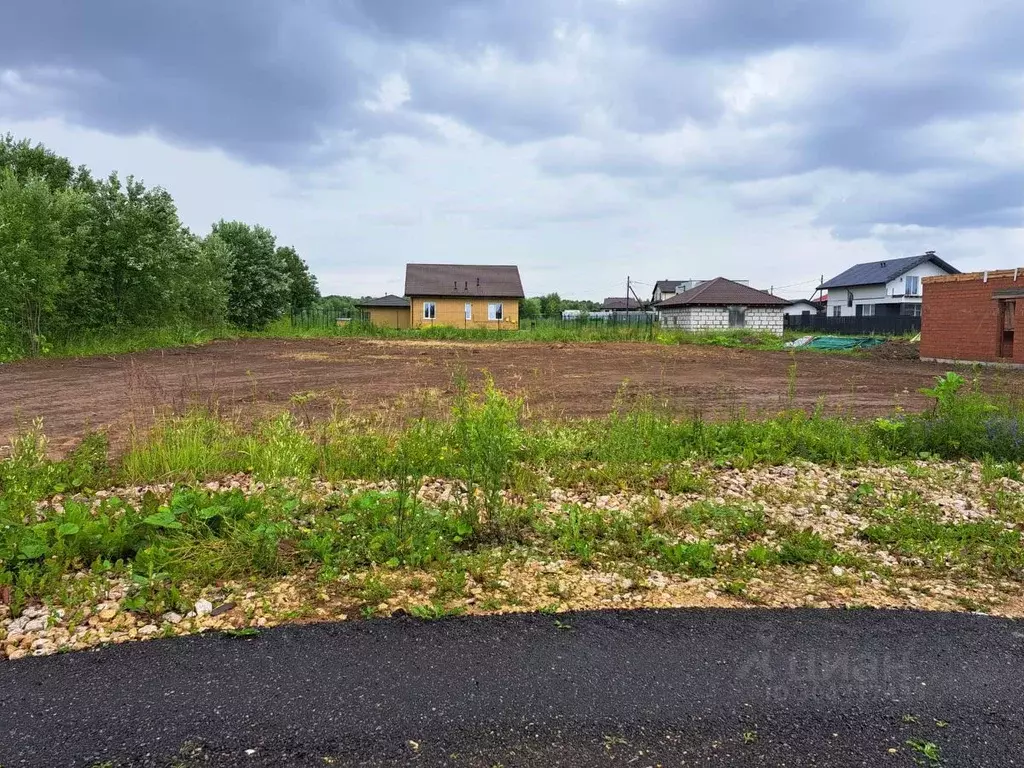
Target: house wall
x=882 y=293
x=799 y=308
x=960 y=317
x=452 y=312
x=717 y=319
x=389 y=317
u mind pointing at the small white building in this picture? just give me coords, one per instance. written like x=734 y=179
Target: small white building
x=802 y=307
x=721 y=305
x=883 y=288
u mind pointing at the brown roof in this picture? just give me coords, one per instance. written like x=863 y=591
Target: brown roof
x=616 y=303
x=722 y=292
x=463 y=280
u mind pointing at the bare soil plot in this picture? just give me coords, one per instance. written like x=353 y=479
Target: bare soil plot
x=558 y=380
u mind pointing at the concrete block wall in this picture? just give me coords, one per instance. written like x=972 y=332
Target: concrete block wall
x=768 y=319
x=960 y=317
x=717 y=319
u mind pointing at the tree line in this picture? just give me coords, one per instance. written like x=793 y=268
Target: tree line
x=80 y=254
x=532 y=308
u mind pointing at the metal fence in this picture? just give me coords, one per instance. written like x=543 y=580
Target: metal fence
x=321 y=318
x=586 y=320
x=897 y=325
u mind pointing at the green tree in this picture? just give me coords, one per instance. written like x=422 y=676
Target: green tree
x=202 y=298
x=28 y=161
x=33 y=255
x=551 y=305
x=258 y=282
x=530 y=309
x=303 y=291
x=129 y=261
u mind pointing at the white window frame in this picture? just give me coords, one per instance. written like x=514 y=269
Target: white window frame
x=496 y=311
x=867 y=310
x=917 y=285
x=837 y=311
x=429 y=310
x=469 y=310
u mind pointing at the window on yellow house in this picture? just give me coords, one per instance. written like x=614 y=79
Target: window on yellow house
x=429 y=310
x=494 y=311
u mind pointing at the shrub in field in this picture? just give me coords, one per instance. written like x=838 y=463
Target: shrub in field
x=963 y=423
x=487 y=439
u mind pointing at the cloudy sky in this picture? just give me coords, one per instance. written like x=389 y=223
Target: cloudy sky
x=584 y=140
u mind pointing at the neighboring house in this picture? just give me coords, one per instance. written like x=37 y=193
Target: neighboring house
x=722 y=304
x=616 y=304
x=666 y=289
x=388 y=311
x=463 y=295
x=974 y=317
x=886 y=288
x=804 y=307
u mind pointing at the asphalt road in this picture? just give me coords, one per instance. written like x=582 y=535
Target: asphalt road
x=643 y=688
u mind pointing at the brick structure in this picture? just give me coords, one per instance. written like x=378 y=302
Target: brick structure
x=973 y=317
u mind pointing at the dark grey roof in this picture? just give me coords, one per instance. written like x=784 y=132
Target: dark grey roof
x=667 y=285
x=390 y=300
x=722 y=292
x=463 y=280
x=615 y=303
x=875 y=272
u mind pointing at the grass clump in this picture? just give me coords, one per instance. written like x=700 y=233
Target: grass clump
x=920 y=534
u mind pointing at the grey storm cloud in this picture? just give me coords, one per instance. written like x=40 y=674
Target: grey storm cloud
x=273 y=82
x=259 y=79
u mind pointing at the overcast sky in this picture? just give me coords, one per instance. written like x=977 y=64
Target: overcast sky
x=584 y=140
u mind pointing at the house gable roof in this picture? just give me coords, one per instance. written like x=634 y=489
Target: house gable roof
x=389 y=301
x=616 y=302
x=876 y=272
x=456 y=280
x=723 y=292
x=668 y=285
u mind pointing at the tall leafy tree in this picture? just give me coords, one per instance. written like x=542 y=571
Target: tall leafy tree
x=530 y=309
x=258 y=282
x=303 y=292
x=34 y=246
x=28 y=161
x=551 y=305
x=129 y=255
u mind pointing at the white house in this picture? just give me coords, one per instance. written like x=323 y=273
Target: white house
x=885 y=288
x=719 y=305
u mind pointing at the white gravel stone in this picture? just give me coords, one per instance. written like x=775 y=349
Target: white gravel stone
x=149 y=629
x=36 y=625
x=171 y=617
x=203 y=607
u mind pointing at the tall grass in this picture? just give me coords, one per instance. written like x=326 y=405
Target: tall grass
x=493 y=453
x=484 y=441
x=550 y=331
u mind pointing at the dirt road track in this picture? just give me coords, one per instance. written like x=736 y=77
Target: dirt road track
x=558 y=380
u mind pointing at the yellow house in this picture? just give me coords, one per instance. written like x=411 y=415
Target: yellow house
x=388 y=311
x=459 y=295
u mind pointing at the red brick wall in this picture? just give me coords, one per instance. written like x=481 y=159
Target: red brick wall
x=960 y=318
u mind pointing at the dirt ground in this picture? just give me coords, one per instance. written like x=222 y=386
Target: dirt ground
x=558 y=380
